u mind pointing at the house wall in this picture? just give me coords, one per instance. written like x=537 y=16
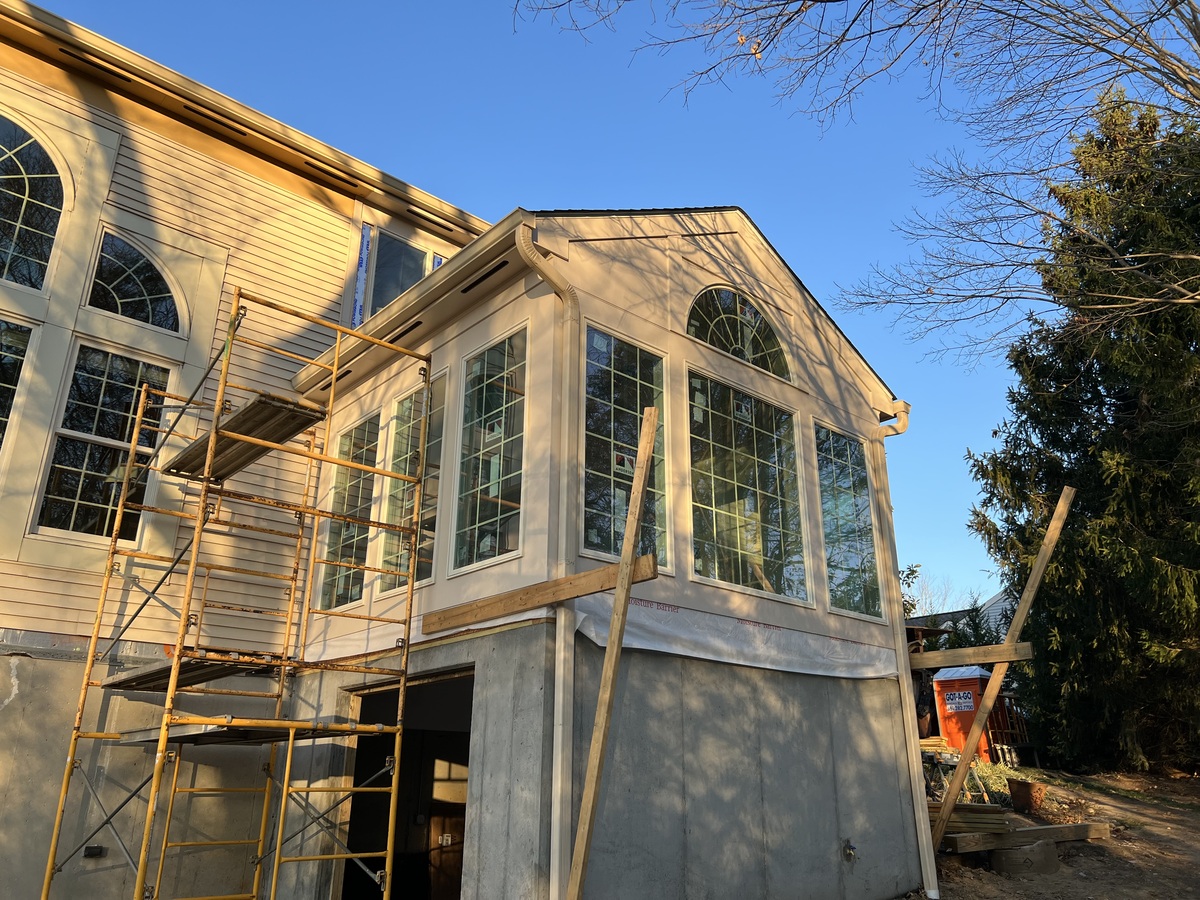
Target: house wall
x=214 y=218
x=507 y=842
x=728 y=781
x=39 y=690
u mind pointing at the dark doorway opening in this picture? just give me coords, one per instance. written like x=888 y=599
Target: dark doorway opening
x=432 y=802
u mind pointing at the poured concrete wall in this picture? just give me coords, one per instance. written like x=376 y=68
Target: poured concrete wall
x=38 y=698
x=725 y=781
x=506 y=849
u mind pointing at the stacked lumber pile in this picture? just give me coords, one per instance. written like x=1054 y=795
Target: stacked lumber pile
x=974 y=818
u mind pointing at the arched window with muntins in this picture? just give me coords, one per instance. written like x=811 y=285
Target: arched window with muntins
x=31 y=203
x=129 y=284
x=727 y=320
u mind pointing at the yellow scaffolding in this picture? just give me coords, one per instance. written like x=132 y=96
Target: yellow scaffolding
x=232 y=440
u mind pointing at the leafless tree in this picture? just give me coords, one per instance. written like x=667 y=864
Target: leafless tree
x=1023 y=76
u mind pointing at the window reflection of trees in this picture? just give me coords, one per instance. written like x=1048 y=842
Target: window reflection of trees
x=14 y=343
x=489 y=497
x=81 y=489
x=128 y=283
x=846 y=515
x=745 y=490
x=622 y=379
x=728 y=321
x=31 y=203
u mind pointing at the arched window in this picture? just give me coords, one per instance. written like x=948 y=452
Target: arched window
x=128 y=284
x=31 y=202
x=728 y=321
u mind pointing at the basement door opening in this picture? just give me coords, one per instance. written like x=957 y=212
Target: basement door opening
x=432 y=810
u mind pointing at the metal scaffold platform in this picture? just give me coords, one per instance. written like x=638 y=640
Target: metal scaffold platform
x=205 y=443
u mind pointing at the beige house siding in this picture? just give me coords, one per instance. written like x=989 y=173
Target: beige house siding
x=212 y=226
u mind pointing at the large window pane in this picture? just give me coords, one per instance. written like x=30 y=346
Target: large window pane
x=353 y=494
x=728 y=321
x=406 y=438
x=745 y=490
x=846 y=514
x=14 y=342
x=31 y=202
x=129 y=284
x=621 y=380
x=84 y=480
x=489 y=480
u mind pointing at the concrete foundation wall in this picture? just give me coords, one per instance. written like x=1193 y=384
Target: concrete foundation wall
x=38 y=698
x=724 y=781
x=507 y=842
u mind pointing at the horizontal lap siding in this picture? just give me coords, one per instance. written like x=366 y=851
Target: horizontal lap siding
x=282 y=247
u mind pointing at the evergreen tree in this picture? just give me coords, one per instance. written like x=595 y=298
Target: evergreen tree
x=1111 y=405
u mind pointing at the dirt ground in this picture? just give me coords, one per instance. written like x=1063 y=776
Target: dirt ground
x=1154 y=850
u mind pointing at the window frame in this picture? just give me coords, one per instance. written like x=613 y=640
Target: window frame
x=434 y=510
x=850 y=433
x=177 y=299
x=14 y=411
x=329 y=571
x=694 y=365
x=758 y=305
x=664 y=464
x=366 y=260
x=66 y=187
x=58 y=430
x=453 y=569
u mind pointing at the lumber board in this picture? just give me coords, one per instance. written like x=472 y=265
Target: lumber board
x=996 y=679
x=612 y=660
x=971 y=656
x=645 y=568
x=1081 y=831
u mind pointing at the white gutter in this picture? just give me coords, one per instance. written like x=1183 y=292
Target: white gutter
x=925 y=848
x=900 y=409
x=564 y=618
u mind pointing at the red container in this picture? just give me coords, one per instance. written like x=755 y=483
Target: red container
x=957 y=693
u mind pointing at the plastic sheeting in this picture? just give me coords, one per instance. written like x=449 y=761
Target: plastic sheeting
x=687 y=632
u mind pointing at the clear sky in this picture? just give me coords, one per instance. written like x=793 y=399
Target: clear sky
x=488 y=111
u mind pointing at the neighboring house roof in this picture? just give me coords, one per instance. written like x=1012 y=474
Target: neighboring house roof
x=993 y=610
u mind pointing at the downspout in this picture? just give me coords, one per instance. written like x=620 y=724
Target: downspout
x=926 y=850
x=564 y=614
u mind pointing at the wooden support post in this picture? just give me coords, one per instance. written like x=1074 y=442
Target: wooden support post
x=997 y=677
x=612 y=658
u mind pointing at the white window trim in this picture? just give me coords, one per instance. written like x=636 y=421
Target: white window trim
x=459 y=398
x=811 y=442
x=361 y=274
x=664 y=423
x=809 y=601
x=45 y=533
x=391 y=425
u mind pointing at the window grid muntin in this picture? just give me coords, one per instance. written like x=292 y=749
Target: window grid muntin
x=614 y=401
x=353 y=495
x=31 y=204
x=488 y=519
x=14 y=344
x=129 y=284
x=851 y=565
x=728 y=321
x=81 y=491
x=746 y=513
x=405 y=438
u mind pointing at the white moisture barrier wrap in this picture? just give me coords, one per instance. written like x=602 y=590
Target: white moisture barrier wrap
x=687 y=632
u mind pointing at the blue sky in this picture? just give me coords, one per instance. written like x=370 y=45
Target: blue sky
x=490 y=112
